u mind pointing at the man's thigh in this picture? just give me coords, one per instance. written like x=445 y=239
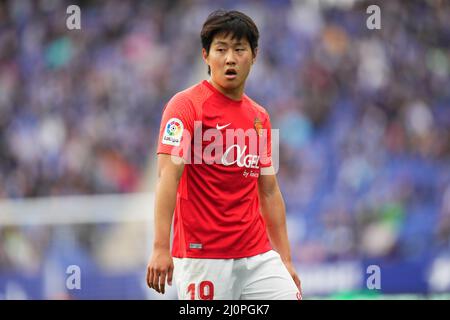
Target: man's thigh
x=268 y=279
x=204 y=279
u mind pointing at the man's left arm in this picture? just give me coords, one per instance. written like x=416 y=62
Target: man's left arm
x=274 y=214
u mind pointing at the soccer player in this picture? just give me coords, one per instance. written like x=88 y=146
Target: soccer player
x=219 y=186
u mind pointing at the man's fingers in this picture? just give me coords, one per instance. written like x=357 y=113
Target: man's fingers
x=157 y=273
x=149 y=277
x=155 y=280
x=297 y=282
x=169 y=276
x=162 y=282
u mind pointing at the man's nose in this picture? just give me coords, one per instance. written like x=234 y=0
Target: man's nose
x=230 y=58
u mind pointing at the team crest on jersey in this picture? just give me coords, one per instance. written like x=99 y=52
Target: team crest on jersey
x=173 y=132
x=258 y=126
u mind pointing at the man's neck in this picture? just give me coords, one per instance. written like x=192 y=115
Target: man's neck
x=233 y=94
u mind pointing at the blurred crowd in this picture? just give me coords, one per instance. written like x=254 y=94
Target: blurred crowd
x=364 y=115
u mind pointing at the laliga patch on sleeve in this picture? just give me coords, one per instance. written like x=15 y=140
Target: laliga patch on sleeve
x=173 y=132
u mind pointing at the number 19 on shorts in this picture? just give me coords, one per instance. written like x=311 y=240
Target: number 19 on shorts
x=205 y=290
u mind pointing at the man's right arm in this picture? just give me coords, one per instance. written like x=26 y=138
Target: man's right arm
x=160 y=266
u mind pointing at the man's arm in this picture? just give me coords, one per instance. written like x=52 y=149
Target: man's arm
x=160 y=266
x=273 y=211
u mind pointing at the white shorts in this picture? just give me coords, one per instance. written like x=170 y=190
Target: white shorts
x=261 y=277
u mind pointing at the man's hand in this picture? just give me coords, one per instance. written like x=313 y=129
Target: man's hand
x=294 y=275
x=160 y=267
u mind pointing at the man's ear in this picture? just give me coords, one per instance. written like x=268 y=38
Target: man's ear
x=255 y=52
x=205 y=55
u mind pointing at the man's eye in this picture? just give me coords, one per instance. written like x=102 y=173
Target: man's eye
x=221 y=50
x=240 y=49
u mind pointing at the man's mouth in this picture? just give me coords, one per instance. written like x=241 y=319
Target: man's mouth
x=231 y=74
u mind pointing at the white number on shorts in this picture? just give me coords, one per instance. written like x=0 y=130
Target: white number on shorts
x=205 y=290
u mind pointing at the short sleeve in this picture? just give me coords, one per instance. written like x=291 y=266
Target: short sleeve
x=176 y=129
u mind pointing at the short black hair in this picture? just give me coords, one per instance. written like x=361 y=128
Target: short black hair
x=233 y=22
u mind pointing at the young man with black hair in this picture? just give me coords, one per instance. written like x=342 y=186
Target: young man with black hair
x=230 y=237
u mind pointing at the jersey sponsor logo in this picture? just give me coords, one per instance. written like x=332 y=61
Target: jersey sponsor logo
x=222 y=127
x=252 y=174
x=242 y=160
x=173 y=132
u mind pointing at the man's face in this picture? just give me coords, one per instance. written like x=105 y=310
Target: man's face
x=230 y=61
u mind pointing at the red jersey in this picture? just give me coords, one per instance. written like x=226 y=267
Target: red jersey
x=217 y=212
